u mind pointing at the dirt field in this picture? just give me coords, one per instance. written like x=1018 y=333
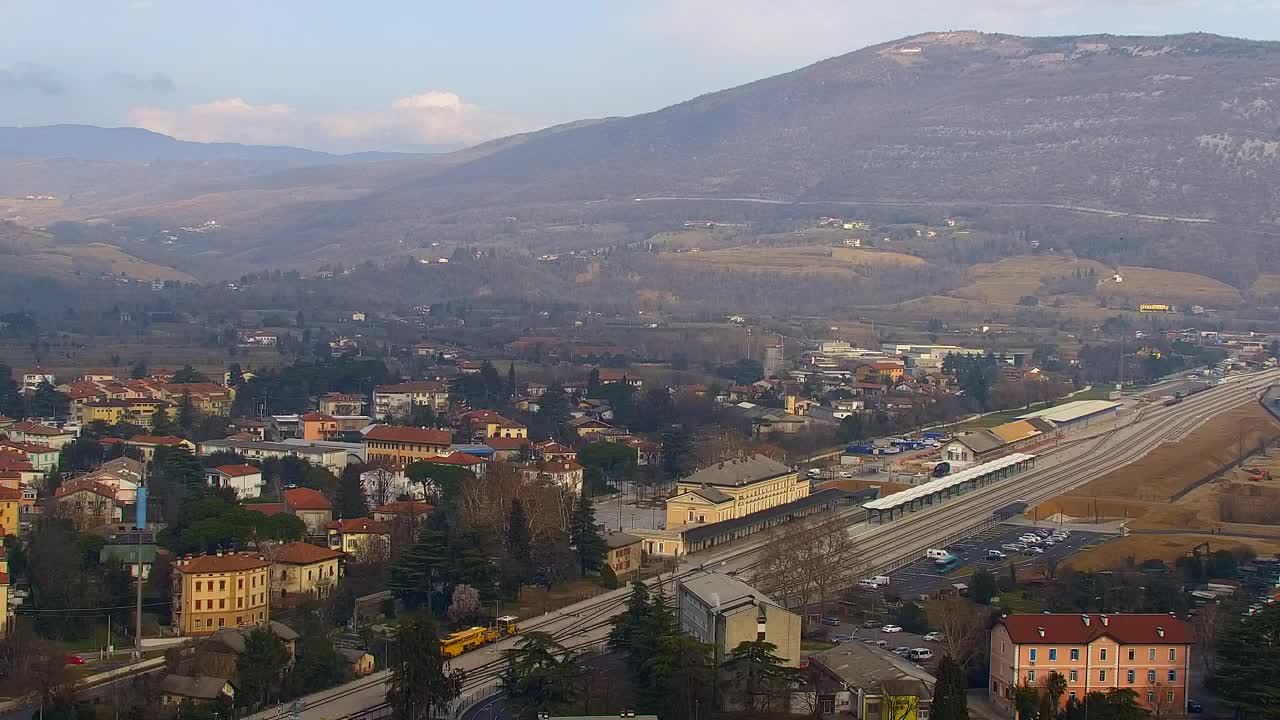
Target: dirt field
x=1007 y=280
x=1164 y=547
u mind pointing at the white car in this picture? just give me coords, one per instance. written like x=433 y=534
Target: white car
x=1050 y=542
x=933 y=637
x=1031 y=539
x=903 y=651
x=890 y=629
x=919 y=654
x=1033 y=550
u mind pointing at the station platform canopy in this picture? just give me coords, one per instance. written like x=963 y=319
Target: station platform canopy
x=947 y=482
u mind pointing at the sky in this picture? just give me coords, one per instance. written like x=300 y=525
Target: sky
x=429 y=74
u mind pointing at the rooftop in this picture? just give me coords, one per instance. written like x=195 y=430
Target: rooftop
x=229 y=562
x=1068 y=412
x=860 y=665
x=201 y=687
x=620 y=539
x=358 y=526
x=1136 y=629
x=723 y=592
x=306 y=499
x=738 y=472
x=238 y=470
x=302 y=553
x=402 y=434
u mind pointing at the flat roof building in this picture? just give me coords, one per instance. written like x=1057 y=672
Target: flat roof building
x=724 y=612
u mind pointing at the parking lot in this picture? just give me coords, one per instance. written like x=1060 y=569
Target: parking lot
x=921 y=578
x=851 y=629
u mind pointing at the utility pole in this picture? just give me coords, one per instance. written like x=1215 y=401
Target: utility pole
x=140 y=520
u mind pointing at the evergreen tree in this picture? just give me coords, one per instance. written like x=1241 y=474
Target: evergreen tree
x=677 y=451
x=682 y=676
x=584 y=535
x=187 y=413
x=758 y=676
x=518 y=539
x=421 y=685
x=47 y=402
x=187 y=374
x=512 y=389
x=1248 y=660
x=162 y=423
x=139 y=370
x=235 y=376
x=553 y=412
x=950 y=701
x=593 y=383
x=421 y=570
x=541 y=676
x=349 y=500
x=260 y=668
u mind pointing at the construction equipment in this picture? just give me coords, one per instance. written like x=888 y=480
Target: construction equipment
x=455 y=644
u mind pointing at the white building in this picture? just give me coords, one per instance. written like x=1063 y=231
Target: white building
x=245 y=480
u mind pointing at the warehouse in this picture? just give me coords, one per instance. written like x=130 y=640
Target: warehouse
x=1075 y=415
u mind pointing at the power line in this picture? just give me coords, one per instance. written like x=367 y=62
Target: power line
x=30 y=611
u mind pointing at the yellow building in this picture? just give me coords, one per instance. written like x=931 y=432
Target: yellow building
x=1155 y=308
x=209 y=398
x=733 y=489
x=397 y=446
x=359 y=536
x=625 y=555
x=303 y=569
x=10 y=500
x=724 y=612
x=138 y=411
x=4 y=593
x=147 y=444
x=217 y=591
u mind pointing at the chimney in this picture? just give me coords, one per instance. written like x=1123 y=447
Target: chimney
x=1085 y=618
x=219 y=552
x=1040 y=630
x=1104 y=619
x=1160 y=630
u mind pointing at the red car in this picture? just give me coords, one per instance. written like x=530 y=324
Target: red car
x=75 y=660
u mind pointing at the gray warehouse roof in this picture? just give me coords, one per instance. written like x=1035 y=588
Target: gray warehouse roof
x=1068 y=412
x=738 y=472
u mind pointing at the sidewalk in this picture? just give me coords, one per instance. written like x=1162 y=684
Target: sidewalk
x=981 y=707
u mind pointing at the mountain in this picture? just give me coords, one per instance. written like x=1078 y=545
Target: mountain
x=135 y=145
x=1183 y=127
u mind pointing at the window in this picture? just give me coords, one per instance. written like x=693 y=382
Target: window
x=239 y=602
x=1151 y=655
x=239 y=619
x=197 y=586
x=1033 y=654
x=240 y=584
x=1173 y=676
x=1075 y=654
x=1151 y=676
x=1053 y=653
x=1102 y=676
x=222 y=584
x=221 y=622
x=1072 y=694
x=1173 y=654
x=1151 y=698
x=1073 y=676
x=1130 y=677
x=222 y=604
x=1169 y=695
x=1102 y=653
x=1133 y=654
x=1031 y=676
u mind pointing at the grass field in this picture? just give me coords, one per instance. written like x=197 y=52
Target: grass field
x=1164 y=547
x=1005 y=281
x=807 y=260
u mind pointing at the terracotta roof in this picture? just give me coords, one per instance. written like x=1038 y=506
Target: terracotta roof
x=357 y=525
x=238 y=470
x=166 y=440
x=404 y=507
x=318 y=417
x=267 y=508
x=35 y=428
x=553 y=466
x=301 y=553
x=456 y=458
x=74 y=486
x=399 y=433
x=501 y=443
x=8 y=494
x=230 y=562
x=27 y=447
x=13 y=462
x=424 y=386
x=1071 y=628
x=4 y=579
x=306 y=499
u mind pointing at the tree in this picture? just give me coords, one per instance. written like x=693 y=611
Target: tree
x=319 y=665
x=187 y=374
x=47 y=402
x=593 y=383
x=553 y=412
x=1248 y=660
x=518 y=541
x=349 y=500
x=341 y=604
x=984 y=586
x=912 y=618
x=512 y=388
x=851 y=428
x=1207 y=625
x=261 y=668
x=443 y=483
x=758 y=676
x=584 y=535
x=677 y=451
x=606 y=462
x=551 y=560
x=608 y=578
x=421 y=685
x=1055 y=686
x=139 y=370
x=187 y=412
x=683 y=672
x=963 y=627
x=421 y=570
x=950 y=697
x=1026 y=702
x=541 y=676
x=235 y=376
x=464 y=605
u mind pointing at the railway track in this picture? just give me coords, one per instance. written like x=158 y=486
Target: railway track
x=904 y=538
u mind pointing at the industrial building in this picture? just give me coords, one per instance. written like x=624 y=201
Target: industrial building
x=723 y=611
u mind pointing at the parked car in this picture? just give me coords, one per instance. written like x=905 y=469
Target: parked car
x=1194 y=707
x=1050 y=542
x=1033 y=550
x=918 y=654
x=1011 y=547
x=833 y=622
x=75 y=660
x=841 y=639
x=877 y=643
x=933 y=637
x=903 y=651
x=1042 y=532
x=870 y=624
x=995 y=555
x=890 y=629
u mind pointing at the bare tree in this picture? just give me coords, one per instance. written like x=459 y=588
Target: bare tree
x=1207 y=624
x=961 y=622
x=1049 y=565
x=897 y=706
x=808 y=561
x=1160 y=699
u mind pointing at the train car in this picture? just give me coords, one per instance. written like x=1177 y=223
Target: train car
x=455 y=644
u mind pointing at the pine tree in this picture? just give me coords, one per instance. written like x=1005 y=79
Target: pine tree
x=187 y=413
x=518 y=535
x=421 y=570
x=512 y=389
x=950 y=701
x=421 y=686
x=593 y=383
x=349 y=499
x=584 y=534
x=235 y=376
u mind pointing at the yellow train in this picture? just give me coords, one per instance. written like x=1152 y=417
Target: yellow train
x=459 y=642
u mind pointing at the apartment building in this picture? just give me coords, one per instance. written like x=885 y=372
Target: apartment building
x=733 y=489
x=724 y=611
x=392 y=402
x=397 y=446
x=1149 y=654
x=223 y=590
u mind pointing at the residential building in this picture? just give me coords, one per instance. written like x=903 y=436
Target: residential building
x=508 y=449
x=724 y=611
x=259 y=338
x=566 y=474
x=358 y=661
x=88 y=503
x=360 y=537
x=341 y=404
x=412 y=511
x=209 y=398
x=398 y=446
x=197 y=689
x=218 y=655
x=625 y=554
x=42 y=457
x=38 y=434
x=476 y=465
x=245 y=480
x=148 y=444
x=587 y=427
x=309 y=506
x=319 y=426
x=870 y=683
x=333 y=458
x=10 y=502
x=485 y=424
x=118 y=548
x=4 y=595
x=396 y=402
x=619 y=376
x=222 y=590
x=879 y=371
x=35 y=377
x=733 y=489
x=1149 y=654
x=303 y=569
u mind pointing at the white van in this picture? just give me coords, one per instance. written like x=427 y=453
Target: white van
x=880 y=580
x=868 y=584
x=936 y=554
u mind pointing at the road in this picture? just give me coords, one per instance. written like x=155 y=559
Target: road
x=887 y=547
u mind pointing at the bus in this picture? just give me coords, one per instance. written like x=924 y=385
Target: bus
x=946 y=563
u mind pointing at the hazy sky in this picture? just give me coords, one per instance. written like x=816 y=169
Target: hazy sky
x=405 y=74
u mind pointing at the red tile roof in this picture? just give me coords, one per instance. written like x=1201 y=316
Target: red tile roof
x=404 y=507
x=267 y=508
x=238 y=470
x=456 y=458
x=318 y=417
x=35 y=428
x=231 y=562
x=306 y=499
x=302 y=553
x=71 y=487
x=399 y=433
x=8 y=494
x=501 y=443
x=1070 y=628
x=358 y=526
x=165 y=440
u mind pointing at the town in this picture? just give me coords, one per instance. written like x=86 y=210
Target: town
x=736 y=538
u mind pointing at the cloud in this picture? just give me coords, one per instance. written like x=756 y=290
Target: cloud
x=428 y=120
x=29 y=76
x=156 y=82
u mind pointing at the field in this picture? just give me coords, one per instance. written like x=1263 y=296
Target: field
x=805 y=260
x=1005 y=281
x=1164 y=547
